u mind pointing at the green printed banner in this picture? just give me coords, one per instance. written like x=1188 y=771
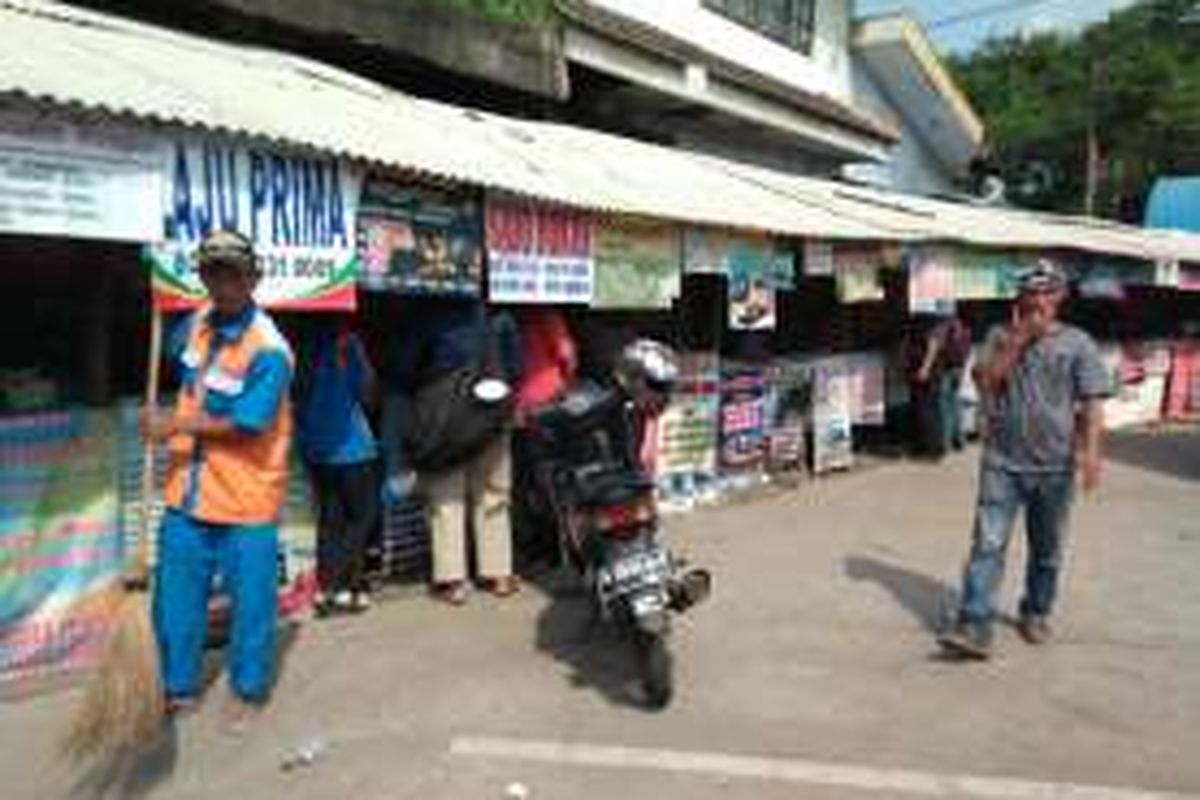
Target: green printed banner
x=638 y=264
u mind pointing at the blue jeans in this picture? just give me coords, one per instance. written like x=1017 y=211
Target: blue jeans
x=189 y=552
x=1046 y=500
x=951 y=431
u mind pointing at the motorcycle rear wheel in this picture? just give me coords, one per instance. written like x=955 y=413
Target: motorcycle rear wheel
x=654 y=662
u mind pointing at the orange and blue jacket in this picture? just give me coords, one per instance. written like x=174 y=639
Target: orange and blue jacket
x=237 y=369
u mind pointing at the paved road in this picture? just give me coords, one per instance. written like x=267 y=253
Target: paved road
x=811 y=674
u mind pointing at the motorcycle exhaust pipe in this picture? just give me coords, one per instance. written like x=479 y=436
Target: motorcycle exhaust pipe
x=692 y=589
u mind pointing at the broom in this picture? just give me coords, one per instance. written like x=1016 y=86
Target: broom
x=123 y=707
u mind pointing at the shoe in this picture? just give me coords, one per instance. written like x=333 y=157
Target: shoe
x=454 y=593
x=239 y=715
x=503 y=587
x=332 y=605
x=1034 y=629
x=360 y=602
x=962 y=642
x=176 y=707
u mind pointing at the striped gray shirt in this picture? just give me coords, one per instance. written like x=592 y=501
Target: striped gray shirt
x=1030 y=425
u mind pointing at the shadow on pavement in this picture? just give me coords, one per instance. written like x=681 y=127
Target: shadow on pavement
x=927 y=599
x=596 y=655
x=1175 y=453
x=130 y=775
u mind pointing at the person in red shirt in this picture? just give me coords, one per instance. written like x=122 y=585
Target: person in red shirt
x=549 y=361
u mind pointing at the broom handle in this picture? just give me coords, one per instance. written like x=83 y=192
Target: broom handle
x=142 y=557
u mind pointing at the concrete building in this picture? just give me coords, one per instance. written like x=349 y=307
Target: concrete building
x=897 y=75
x=794 y=85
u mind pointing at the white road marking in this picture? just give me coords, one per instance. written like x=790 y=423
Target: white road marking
x=848 y=776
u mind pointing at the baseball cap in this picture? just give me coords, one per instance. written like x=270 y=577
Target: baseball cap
x=1042 y=275
x=226 y=249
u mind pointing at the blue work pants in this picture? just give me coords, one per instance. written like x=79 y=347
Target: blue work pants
x=190 y=553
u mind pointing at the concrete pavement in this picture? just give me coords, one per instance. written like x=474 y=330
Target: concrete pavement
x=811 y=673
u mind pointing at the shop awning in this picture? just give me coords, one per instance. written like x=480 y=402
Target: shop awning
x=86 y=60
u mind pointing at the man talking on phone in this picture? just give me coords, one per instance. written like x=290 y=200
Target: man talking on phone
x=1041 y=386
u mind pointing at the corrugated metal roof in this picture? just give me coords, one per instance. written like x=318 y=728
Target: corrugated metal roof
x=53 y=52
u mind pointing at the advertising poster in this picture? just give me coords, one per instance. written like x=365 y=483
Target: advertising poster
x=931 y=281
x=751 y=289
x=60 y=543
x=539 y=253
x=420 y=241
x=638 y=264
x=833 y=424
x=688 y=429
x=864 y=377
x=1140 y=371
x=788 y=410
x=756 y=267
x=743 y=419
x=94 y=182
x=300 y=212
x=1183 y=382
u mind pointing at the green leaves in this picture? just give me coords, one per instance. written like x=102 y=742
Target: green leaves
x=1133 y=82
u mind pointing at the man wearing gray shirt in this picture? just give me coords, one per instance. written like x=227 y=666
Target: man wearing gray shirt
x=1041 y=383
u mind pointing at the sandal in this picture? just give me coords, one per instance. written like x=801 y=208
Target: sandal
x=504 y=587
x=453 y=593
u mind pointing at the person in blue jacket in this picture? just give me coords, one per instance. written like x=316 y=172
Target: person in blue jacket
x=334 y=384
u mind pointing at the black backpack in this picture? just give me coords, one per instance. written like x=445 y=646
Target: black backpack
x=447 y=424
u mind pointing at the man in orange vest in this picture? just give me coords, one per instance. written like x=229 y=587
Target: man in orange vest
x=228 y=440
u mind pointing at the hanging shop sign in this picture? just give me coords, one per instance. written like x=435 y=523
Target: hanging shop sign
x=1167 y=274
x=931 y=281
x=756 y=266
x=1100 y=281
x=638 y=264
x=832 y=421
x=981 y=274
x=743 y=419
x=752 y=288
x=420 y=241
x=737 y=255
x=60 y=543
x=300 y=212
x=856 y=270
x=818 y=258
x=538 y=253
x=94 y=182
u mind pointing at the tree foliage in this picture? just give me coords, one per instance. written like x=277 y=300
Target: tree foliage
x=1131 y=84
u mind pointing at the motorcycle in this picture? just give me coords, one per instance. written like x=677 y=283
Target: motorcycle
x=603 y=505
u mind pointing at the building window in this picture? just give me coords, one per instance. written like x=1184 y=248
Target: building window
x=786 y=21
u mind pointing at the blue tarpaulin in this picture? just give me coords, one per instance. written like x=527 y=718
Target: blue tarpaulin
x=1175 y=203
